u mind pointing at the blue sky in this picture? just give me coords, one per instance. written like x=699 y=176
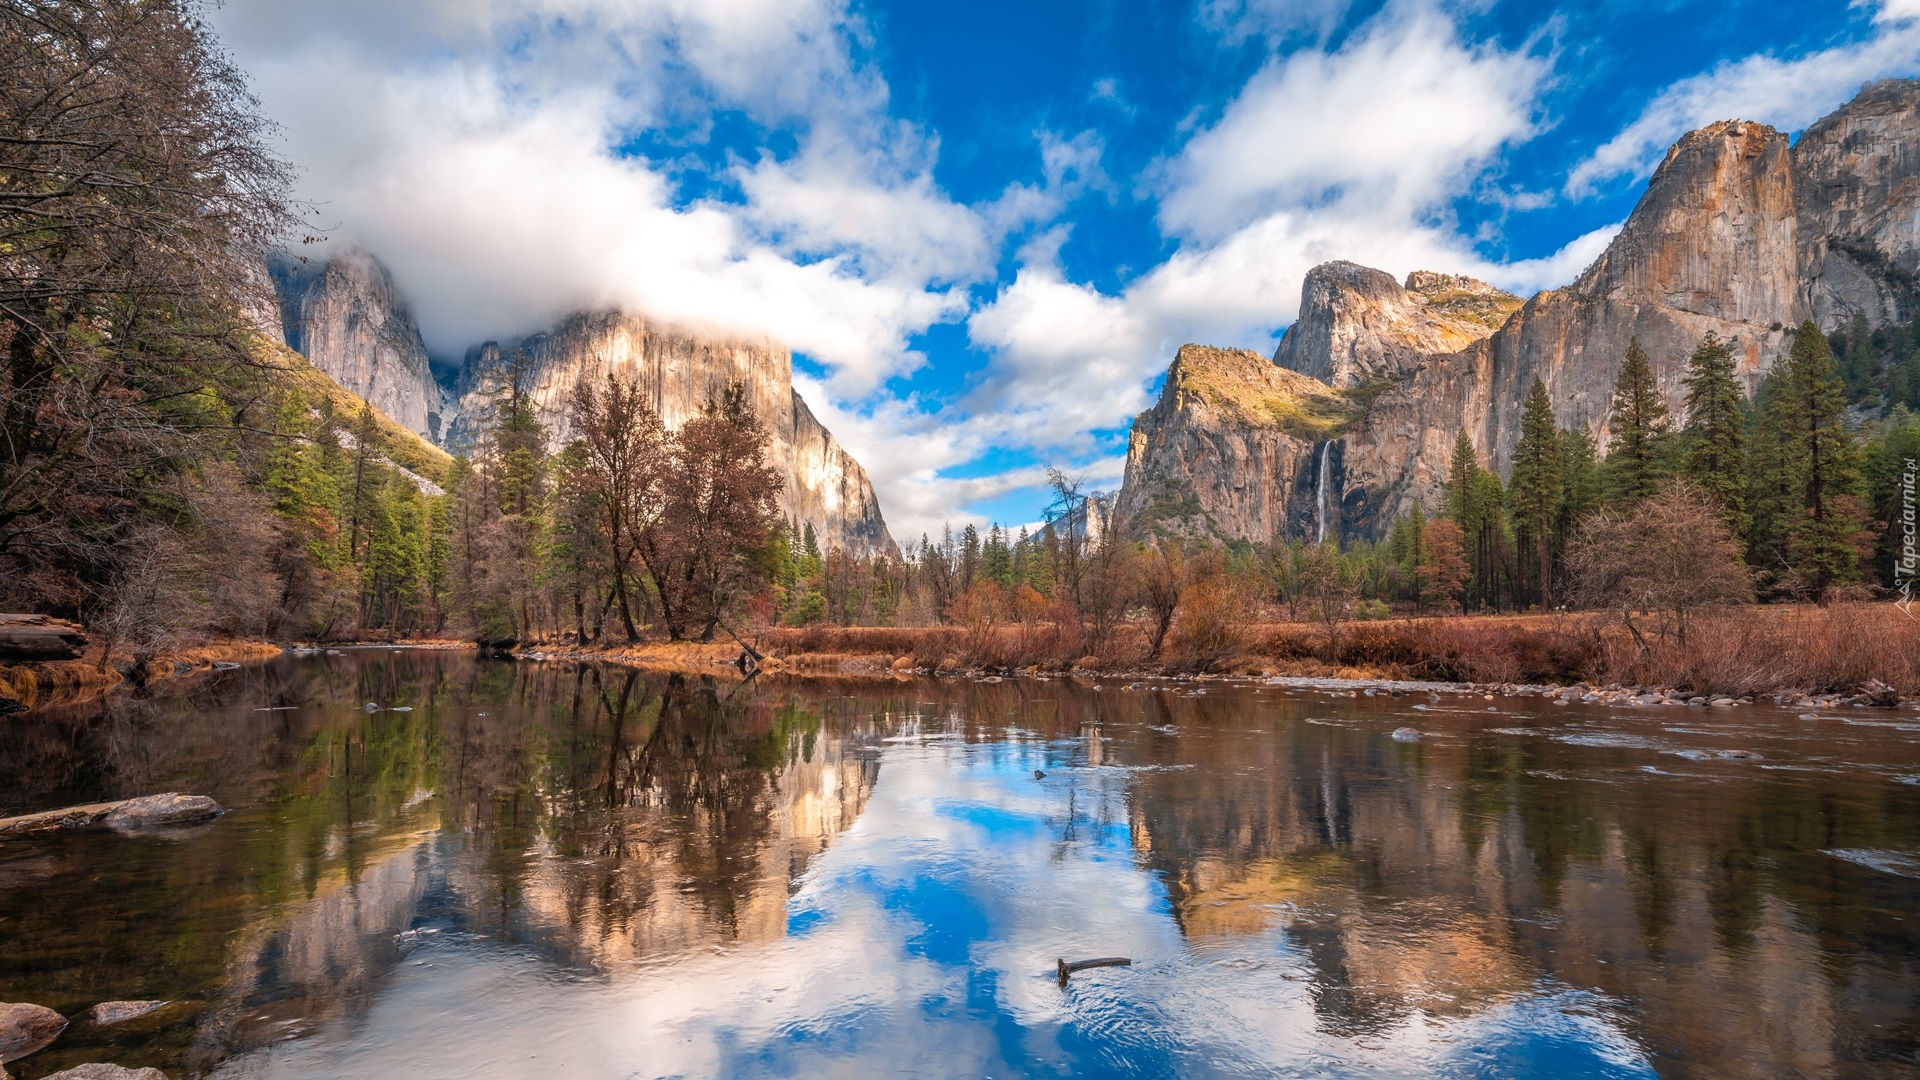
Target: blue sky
x=984 y=227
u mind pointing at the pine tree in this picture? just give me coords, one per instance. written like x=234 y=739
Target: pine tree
x=1862 y=363
x=1460 y=476
x=1582 y=485
x=1538 y=490
x=1715 y=434
x=1638 y=426
x=1825 y=519
x=1895 y=444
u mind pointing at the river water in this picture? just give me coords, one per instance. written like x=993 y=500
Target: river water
x=442 y=866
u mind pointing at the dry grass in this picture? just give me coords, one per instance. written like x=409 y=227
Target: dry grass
x=1734 y=651
x=63 y=682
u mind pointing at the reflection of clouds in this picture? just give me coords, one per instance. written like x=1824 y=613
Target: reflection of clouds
x=921 y=943
x=1296 y=902
x=961 y=833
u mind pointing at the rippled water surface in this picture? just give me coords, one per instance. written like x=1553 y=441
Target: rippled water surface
x=526 y=870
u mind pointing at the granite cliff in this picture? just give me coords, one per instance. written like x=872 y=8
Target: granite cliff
x=1739 y=232
x=825 y=486
x=347 y=318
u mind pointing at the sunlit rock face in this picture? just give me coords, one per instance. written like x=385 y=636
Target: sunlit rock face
x=1357 y=323
x=681 y=370
x=345 y=316
x=1739 y=233
x=1221 y=453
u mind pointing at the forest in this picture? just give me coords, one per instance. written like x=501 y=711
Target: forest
x=171 y=475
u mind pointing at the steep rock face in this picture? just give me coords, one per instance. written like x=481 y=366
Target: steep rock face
x=1737 y=233
x=1227 y=448
x=1857 y=175
x=1712 y=245
x=1357 y=323
x=825 y=486
x=345 y=316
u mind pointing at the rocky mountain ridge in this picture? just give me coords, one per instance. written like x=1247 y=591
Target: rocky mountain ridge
x=345 y=315
x=1739 y=232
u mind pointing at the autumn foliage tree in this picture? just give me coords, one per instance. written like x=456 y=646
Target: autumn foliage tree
x=721 y=509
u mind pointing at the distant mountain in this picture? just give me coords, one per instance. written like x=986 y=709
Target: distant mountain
x=346 y=317
x=1739 y=232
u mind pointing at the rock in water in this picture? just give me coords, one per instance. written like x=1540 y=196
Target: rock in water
x=1408 y=734
x=116 y=1012
x=25 y=1028
x=99 y=1071
x=171 y=808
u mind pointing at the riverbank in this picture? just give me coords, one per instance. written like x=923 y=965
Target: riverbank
x=66 y=682
x=1858 y=653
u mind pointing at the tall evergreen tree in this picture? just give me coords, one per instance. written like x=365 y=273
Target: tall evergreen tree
x=1460 y=476
x=1824 y=521
x=1638 y=428
x=1715 y=434
x=1894 y=444
x=1538 y=490
x=1582 y=484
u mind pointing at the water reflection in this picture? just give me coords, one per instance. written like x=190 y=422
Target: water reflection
x=548 y=870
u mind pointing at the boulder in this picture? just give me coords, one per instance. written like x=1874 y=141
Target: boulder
x=25 y=1028
x=97 y=1071
x=115 y=1012
x=171 y=808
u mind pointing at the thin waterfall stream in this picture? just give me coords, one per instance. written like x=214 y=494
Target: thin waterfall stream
x=1320 y=490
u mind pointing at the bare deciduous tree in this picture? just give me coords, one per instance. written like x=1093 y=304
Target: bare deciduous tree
x=137 y=195
x=1668 y=556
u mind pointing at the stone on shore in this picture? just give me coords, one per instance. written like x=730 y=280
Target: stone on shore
x=116 y=1012
x=26 y=1028
x=98 y=1071
x=171 y=808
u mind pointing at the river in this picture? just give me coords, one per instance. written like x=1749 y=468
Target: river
x=437 y=865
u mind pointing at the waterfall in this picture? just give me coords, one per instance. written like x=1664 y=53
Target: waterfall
x=1320 y=488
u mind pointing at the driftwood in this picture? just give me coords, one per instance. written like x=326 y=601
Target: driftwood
x=72 y=817
x=31 y=638
x=1067 y=969
x=169 y=809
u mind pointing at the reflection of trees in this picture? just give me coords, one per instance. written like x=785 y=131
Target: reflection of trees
x=1447 y=877
x=601 y=816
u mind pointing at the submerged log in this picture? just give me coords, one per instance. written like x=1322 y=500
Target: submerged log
x=171 y=808
x=35 y=638
x=1067 y=969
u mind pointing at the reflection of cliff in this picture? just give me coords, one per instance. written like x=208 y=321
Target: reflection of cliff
x=1436 y=881
x=611 y=820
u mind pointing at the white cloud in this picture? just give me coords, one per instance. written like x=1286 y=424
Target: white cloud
x=1321 y=156
x=474 y=149
x=1393 y=121
x=1789 y=94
